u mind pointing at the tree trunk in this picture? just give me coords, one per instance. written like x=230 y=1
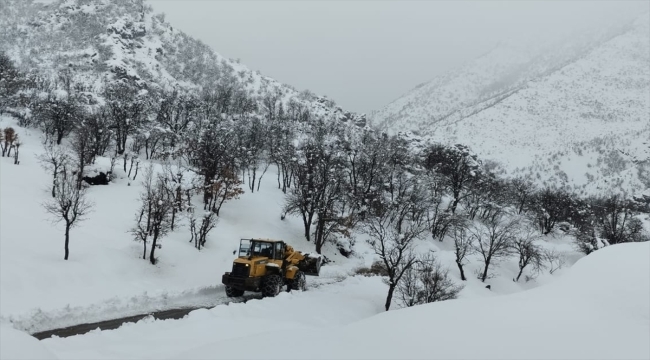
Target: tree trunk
x=54 y=183
x=144 y=252
x=389 y=297
x=80 y=177
x=307 y=223
x=521 y=270
x=462 y=271
x=152 y=259
x=223 y=199
x=252 y=182
x=149 y=219
x=455 y=203
x=67 y=240
x=485 y=270
x=320 y=234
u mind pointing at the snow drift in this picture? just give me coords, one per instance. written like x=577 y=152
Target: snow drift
x=598 y=310
x=15 y=344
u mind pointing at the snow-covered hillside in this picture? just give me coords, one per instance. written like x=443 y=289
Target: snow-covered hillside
x=106 y=277
x=578 y=316
x=103 y=40
x=578 y=116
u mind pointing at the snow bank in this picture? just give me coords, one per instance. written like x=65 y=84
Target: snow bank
x=599 y=310
x=329 y=306
x=15 y=344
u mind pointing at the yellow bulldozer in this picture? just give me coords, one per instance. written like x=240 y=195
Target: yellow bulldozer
x=266 y=266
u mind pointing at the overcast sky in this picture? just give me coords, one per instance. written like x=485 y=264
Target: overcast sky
x=366 y=53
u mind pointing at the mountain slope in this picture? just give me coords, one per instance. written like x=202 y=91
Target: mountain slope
x=544 y=111
x=103 y=40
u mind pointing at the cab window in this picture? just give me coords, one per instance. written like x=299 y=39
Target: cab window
x=279 y=251
x=262 y=249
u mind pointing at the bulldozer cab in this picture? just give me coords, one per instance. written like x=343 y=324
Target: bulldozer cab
x=253 y=248
x=278 y=252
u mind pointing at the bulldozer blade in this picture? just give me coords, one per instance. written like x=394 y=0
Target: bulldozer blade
x=311 y=265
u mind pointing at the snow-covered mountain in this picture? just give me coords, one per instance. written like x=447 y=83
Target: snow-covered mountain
x=576 y=114
x=107 y=39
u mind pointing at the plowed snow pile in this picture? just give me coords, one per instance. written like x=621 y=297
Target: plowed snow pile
x=600 y=309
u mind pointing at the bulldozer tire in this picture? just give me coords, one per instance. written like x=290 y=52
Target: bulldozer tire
x=299 y=282
x=272 y=285
x=232 y=292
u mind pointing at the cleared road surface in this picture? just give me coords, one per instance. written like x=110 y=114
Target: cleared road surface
x=116 y=323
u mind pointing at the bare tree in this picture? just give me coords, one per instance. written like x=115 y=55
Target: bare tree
x=54 y=159
x=226 y=187
x=463 y=246
x=175 y=111
x=521 y=193
x=156 y=209
x=199 y=234
x=493 y=240
x=126 y=105
x=61 y=110
x=8 y=138
x=554 y=259
x=613 y=216
x=83 y=148
x=427 y=282
x=99 y=130
x=11 y=81
x=392 y=231
x=363 y=162
x=69 y=204
x=550 y=206
x=439 y=218
x=317 y=183
x=141 y=230
x=529 y=253
x=458 y=167
x=172 y=178
x=16 y=146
